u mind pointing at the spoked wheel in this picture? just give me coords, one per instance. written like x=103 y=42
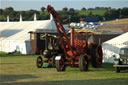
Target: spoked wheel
x=93 y=48
x=99 y=58
x=83 y=63
x=60 y=66
x=94 y=56
x=39 y=62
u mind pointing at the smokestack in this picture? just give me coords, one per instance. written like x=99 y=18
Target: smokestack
x=20 y=17
x=35 y=19
x=7 y=18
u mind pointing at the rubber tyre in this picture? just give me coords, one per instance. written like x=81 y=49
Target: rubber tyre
x=60 y=66
x=39 y=62
x=83 y=63
x=93 y=55
x=94 y=63
x=99 y=54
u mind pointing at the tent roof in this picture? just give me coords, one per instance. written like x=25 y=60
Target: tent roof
x=120 y=41
x=19 y=30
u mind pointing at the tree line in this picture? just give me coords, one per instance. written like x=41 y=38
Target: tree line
x=67 y=14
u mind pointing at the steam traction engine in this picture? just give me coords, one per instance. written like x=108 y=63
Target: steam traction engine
x=77 y=52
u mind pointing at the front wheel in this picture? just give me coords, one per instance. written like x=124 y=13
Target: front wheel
x=39 y=62
x=60 y=66
x=83 y=63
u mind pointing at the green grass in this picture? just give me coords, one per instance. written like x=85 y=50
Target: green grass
x=22 y=70
x=94 y=12
x=2 y=53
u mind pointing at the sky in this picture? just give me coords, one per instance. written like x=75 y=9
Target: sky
x=59 y=4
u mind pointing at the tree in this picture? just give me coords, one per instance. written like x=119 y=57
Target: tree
x=2 y=18
x=112 y=14
x=43 y=9
x=124 y=12
x=7 y=11
x=83 y=9
x=65 y=9
x=90 y=13
x=109 y=8
x=90 y=8
x=1 y=11
x=98 y=8
x=71 y=10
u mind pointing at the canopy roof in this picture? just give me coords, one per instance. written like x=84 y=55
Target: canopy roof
x=120 y=41
x=19 y=30
x=113 y=47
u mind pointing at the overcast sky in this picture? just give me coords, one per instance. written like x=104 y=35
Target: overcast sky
x=59 y=4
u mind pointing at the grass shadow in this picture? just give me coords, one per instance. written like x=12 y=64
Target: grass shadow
x=9 y=63
x=108 y=66
x=16 y=55
x=7 y=78
x=116 y=81
x=105 y=67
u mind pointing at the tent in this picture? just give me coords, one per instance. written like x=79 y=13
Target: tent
x=112 y=47
x=15 y=36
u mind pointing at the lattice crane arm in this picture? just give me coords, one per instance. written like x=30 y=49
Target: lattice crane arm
x=61 y=30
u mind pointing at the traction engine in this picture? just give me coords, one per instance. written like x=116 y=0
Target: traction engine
x=77 y=52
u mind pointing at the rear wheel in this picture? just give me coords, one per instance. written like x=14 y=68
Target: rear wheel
x=93 y=54
x=60 y=66
x=83 y=63
x=99 y=54
x=39 y=62
x=94 y=62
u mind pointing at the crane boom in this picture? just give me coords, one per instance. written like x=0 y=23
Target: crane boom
x=61 y=31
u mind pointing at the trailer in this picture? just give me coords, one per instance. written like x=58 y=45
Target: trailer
x=121 y=62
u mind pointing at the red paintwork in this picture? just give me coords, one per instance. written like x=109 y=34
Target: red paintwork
x=61 y=32
x=78 y=44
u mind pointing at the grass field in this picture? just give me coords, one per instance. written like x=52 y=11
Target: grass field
x=21 y=70
x=120 y=21
x=94 y=12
